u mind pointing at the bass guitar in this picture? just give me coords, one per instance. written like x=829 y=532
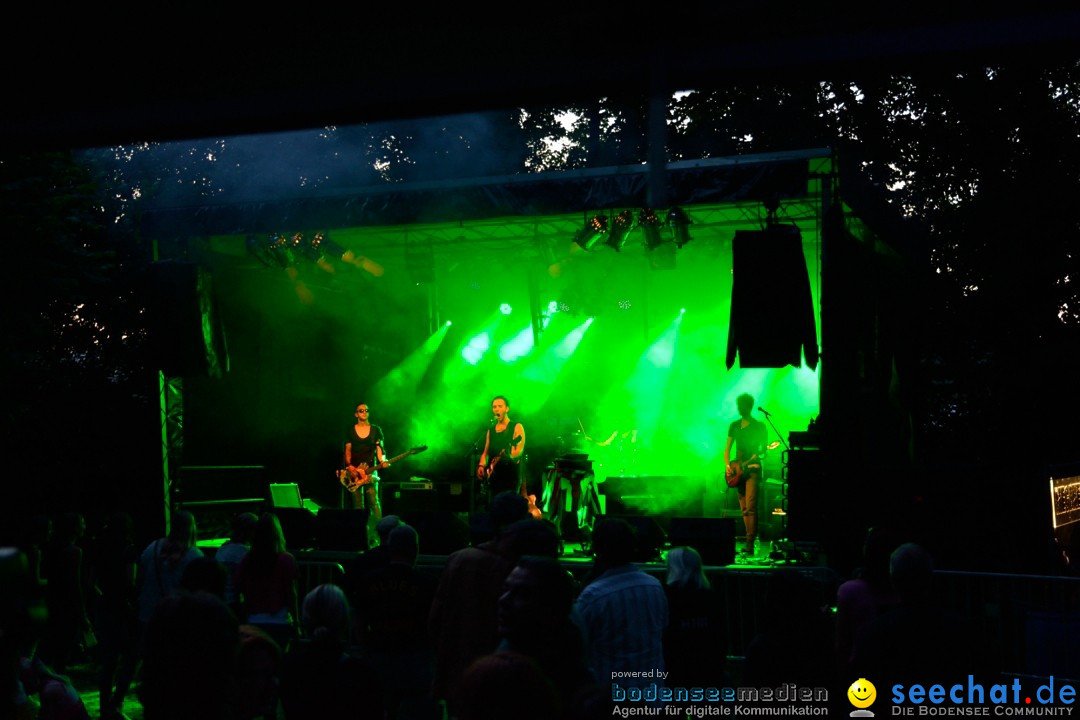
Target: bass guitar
x=354 y=477
x=741 y=470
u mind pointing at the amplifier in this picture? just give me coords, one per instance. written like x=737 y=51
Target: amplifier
x=408 y=495
x=408 y=485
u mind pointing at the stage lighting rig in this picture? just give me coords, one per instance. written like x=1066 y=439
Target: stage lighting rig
x=621 y=225
x=587 y=236
x=679 y=224
x=650 y=225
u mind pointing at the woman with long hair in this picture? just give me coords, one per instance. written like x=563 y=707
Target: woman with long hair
x=266 y=580
x=163 y=561
x=323 y=674
x=695 y=641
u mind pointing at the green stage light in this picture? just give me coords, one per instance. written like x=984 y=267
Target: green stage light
x=476 y=348
x=402 y=380
x=506 y=309
x=518 y=346
x=566 y=347
x=448 y=323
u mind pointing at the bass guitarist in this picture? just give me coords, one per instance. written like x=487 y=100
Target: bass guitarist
x=363 y=458
x=504 y=444
x=748 y=437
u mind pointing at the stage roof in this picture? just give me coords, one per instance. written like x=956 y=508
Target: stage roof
x=534 y=215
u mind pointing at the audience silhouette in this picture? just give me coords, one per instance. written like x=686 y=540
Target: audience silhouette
x=395 y=602
x=462 y=619
x=323 y=674
x=695 y=641
x=534 y=620
x=624 y=610
x=266 y=580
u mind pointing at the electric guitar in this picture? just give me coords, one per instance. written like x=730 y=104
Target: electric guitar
x=498 y=456
x=741 y=469
x=354 y=477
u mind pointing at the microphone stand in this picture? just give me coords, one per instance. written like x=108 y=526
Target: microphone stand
x=777 y=554
x=477 y=450
x=768 y=419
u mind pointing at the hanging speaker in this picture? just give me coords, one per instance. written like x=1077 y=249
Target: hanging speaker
x=187 y=336
x=772 y=322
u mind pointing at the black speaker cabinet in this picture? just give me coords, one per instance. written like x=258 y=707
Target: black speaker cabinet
x=187 y=335
x=338 y=529
x=298 y=527
x=649 y=537
x=713 y=538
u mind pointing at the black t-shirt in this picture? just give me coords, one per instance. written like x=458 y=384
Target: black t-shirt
x=749 y=440
x=363 y=449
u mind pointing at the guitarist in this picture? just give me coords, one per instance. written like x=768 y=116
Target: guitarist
x=748 y=437
x=363 y=457
x=500 y=463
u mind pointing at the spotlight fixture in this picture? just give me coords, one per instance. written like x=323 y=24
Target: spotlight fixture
x=320 y=245
x=621 y=225
x=506 y=309
x=281 y=250
x=679 y=222
x=650 y=225
x=587 y=236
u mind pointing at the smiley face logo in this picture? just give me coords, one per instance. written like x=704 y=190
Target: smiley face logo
x=862 y=693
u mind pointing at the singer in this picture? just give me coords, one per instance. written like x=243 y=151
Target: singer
x=504 y=447
x=748 y=437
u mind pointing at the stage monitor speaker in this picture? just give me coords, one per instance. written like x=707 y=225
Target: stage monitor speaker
x=649 y=537
x=713 y=538
x=659 y=495
x=285 y=495
x=298 y=527
x=338 y=529
x=441 y=532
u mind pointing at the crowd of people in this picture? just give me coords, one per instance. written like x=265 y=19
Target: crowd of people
x=503 y=630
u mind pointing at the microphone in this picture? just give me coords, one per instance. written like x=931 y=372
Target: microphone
x=764 y=412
